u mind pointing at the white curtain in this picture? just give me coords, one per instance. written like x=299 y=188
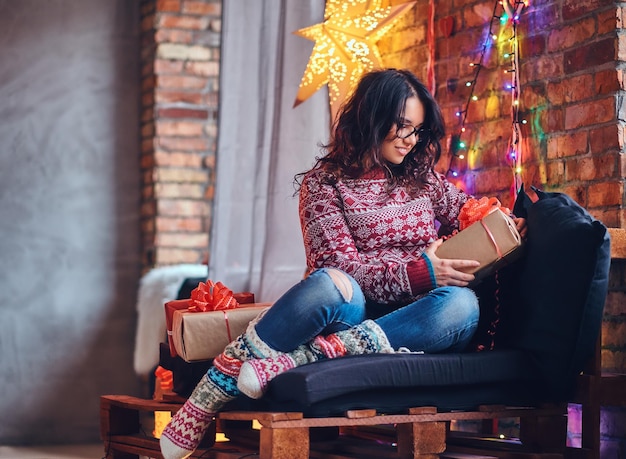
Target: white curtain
x=256 y=241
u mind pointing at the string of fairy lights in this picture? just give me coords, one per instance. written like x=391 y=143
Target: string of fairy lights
x=510 y=15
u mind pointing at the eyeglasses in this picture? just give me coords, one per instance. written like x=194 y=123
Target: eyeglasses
x=405 y=131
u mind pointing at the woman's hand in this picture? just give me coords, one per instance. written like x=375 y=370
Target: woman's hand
x=520 y=224
x=447 y=271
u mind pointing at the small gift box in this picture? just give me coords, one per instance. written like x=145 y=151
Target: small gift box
x=198 y=328
x=488 y=235
x=201 y=336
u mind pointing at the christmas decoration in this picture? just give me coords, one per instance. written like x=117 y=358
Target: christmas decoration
x=511 y=11
x=346 y=46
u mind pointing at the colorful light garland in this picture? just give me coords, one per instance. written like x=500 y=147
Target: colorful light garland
x=510 y=14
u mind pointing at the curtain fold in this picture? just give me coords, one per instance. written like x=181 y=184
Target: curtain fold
x=256 y=242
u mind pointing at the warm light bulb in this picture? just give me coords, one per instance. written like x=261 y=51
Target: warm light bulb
x=474 y=98
x=461 y=156
x=468 y=83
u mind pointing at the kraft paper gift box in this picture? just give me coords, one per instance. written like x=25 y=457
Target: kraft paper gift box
x=493 y=241
x=185 y=303
x=201 y=336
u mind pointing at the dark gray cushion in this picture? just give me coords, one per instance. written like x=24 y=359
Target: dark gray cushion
x=554 y=312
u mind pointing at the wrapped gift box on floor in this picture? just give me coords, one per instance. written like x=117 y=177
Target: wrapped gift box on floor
x=493 y=241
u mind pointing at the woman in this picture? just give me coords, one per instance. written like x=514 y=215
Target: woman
x=368 y=210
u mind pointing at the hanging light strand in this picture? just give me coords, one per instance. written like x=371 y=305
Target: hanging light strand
x=458 y=146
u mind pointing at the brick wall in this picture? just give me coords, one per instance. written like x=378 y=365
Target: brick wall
x=179 y=108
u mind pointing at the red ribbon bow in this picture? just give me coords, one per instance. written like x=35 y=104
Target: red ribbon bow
x=211 y=296
x=475 y=210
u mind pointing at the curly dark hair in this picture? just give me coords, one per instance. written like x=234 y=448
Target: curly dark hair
x=364 y=121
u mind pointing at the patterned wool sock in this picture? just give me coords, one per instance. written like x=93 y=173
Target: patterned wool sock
x=187 y=427
x=365 y=338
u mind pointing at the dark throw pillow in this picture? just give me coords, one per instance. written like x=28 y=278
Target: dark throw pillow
x=554 y=308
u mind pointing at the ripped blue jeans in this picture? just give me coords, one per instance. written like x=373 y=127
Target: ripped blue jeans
x=329 y=300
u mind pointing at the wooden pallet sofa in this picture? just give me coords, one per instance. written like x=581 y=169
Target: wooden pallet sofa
x=548 y=309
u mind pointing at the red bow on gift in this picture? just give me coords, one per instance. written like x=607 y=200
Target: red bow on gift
x=476 y=209
x=211 y=296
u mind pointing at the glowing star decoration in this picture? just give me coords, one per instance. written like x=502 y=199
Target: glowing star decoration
x=345 y=46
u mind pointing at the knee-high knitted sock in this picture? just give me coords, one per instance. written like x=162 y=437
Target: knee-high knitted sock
x=365 y=338
x=183 y=434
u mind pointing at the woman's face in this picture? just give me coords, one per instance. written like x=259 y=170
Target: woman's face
x=394 y=148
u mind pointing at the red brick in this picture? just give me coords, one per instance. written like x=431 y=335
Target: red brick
x=551 y=119
x=180 y=82
x=555 y=172
x=166 y=66
x=182 y=240
x=169 y=96
x=590 y=55
x=570 y=35
x=170 y=256
x=179 y=128
x=173 y=36
x=589 y=169
x=538 y=18
x=168 y=5
x=478 y=15
x=575 y=9
x=180 y=175
x=147 y=161
x=202 y=8
x=608 y=21
x=181 y=207
x=615 y=304
x=147 y=130
x=182 y=224
x=147 y=99
x=184 y=144
x=147 y=114
x=604 y=139
x=590 y=113
x=607 y=81
x=147 y=7
x=532 y=46
x=169 y=21
x=147 y=145
x=178 y=159
x=205 y=69
x=544 y=67
x=577 y=192
x=570 y=144
x=614 y=334
x=606 y=194
x=493 y=180
x=147 y=23
x=534 y=95
x=571 y=90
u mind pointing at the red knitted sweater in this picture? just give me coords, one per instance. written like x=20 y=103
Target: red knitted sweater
x=375 y=234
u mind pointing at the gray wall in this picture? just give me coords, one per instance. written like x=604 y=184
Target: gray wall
x=69 y=205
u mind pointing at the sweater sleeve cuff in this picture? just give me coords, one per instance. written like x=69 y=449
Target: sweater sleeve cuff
x=421 y=275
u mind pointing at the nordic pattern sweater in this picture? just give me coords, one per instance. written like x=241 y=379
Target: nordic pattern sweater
x=376 y=234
